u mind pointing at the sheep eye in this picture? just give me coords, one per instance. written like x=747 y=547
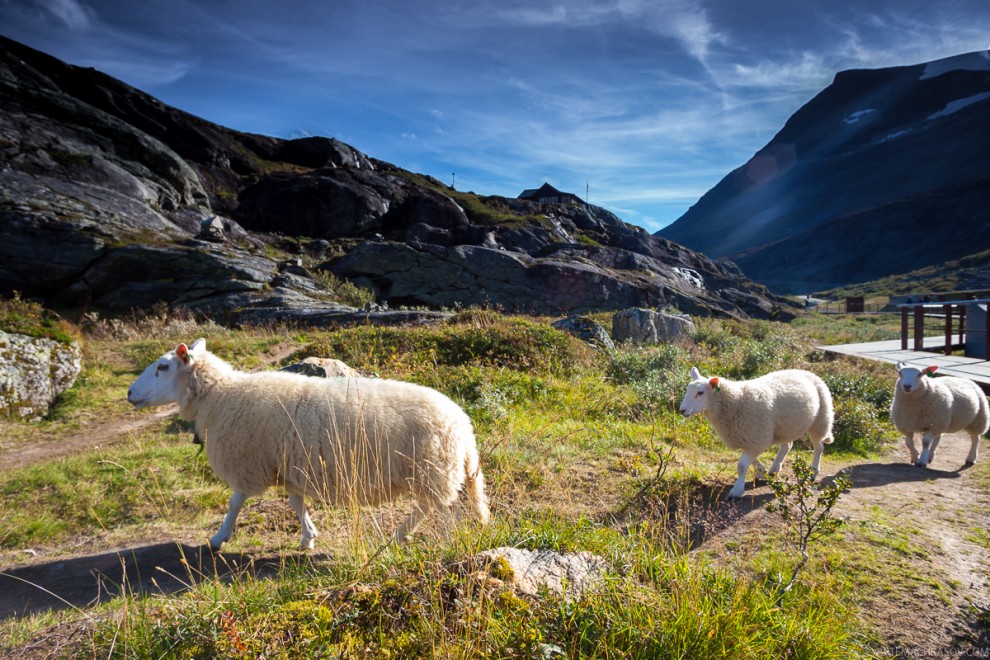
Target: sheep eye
x=161 y=368
x=700 y=393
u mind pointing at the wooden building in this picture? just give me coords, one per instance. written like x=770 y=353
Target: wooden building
x=547 y=194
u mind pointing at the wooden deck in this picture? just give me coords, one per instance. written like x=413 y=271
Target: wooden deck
x=890 y=351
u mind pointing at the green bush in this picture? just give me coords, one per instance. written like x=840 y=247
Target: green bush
x=859 y=427
x=655 y=373
x=24 y=317
x=478 y=339
x=872 y=391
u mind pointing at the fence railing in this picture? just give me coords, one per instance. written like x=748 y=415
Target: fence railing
x=953 y=316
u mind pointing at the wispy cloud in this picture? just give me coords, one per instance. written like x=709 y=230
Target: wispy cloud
x=652 y=101
x=74 y=15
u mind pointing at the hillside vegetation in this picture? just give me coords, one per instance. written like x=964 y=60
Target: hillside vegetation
x=965 y=274
x=582 y=450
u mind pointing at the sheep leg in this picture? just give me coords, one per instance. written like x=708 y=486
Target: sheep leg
x=929 y=441
x=309 y=532
x=816 y=456
x=742 y=468
x=778 y=460
x=909 y=443
x=931 y=452
x=229 y=522
x=974 y=451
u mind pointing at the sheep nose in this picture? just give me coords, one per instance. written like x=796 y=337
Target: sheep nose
x=907 y=388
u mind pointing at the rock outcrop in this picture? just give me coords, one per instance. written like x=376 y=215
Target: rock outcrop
x=648 y=326
x=110 y=199
x=532 y=572
x=33 y=372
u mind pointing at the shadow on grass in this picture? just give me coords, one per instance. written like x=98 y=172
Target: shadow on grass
x=877 y=475
x=155 y=569
x=689 y=513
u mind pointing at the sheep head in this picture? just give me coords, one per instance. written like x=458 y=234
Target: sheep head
x=158 y=384
x=911 y=379
x=699 y=393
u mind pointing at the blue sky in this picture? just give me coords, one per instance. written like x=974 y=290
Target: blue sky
x=649 y=103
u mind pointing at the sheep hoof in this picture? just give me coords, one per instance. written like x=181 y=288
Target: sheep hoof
x=970 y=463
x=308 y=544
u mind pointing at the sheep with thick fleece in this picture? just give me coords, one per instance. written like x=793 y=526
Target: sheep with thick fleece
x=933 y=406
x=752 y=415
x=343 y=440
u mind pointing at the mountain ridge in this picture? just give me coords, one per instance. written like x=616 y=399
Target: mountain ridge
x=111 y=199
x=872 y=141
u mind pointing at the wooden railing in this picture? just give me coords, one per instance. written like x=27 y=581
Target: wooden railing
x=949 y=309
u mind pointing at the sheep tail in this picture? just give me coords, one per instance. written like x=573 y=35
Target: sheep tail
x=474 y=487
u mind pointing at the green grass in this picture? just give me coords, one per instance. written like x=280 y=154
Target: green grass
x=26 y=317
x=582 y=450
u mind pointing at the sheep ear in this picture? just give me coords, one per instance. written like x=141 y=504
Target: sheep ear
x=930 y=371
x=199 y=346
x=714 y=384
x=900 y=365
x=182 y=353
x=695 y=374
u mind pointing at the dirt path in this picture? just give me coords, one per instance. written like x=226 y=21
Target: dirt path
x=937 y=604
x=945 y=511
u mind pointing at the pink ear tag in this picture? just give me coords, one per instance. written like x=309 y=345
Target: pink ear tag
x=714 y=384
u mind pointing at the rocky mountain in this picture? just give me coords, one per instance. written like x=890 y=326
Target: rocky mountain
x=883 y=172
x=110 y=199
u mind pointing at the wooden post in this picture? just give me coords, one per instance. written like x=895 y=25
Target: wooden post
x=919 y=328
x=962 y=323
x=904 y=328
x=948 y=328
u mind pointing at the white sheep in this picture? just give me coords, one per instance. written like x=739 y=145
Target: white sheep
x=344 y=440
x=933 y=406
x=752 y=415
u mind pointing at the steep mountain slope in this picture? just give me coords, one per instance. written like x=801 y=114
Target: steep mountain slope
x=111 y=199
x=882 y=172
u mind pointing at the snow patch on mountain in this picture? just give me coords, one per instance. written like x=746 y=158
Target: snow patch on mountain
x=959 y=104
x=979 y=61
x=856 y=116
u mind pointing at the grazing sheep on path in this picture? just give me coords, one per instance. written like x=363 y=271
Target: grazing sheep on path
x=933 y=406
x=344 y=440
x=752 y=415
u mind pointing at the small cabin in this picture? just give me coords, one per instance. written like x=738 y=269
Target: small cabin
x=547 y=194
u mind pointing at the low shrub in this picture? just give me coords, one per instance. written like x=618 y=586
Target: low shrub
x=472 y=339
x=25 y=317
x=859 y=427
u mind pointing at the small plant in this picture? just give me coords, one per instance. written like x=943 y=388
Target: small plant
x=29 y=318
x=806 y=509
x=343 y=291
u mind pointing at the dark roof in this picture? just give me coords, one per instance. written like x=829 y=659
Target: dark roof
x=546 y=190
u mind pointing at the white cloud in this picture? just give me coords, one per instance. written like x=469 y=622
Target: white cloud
x=802 y=70
x=75 y=15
